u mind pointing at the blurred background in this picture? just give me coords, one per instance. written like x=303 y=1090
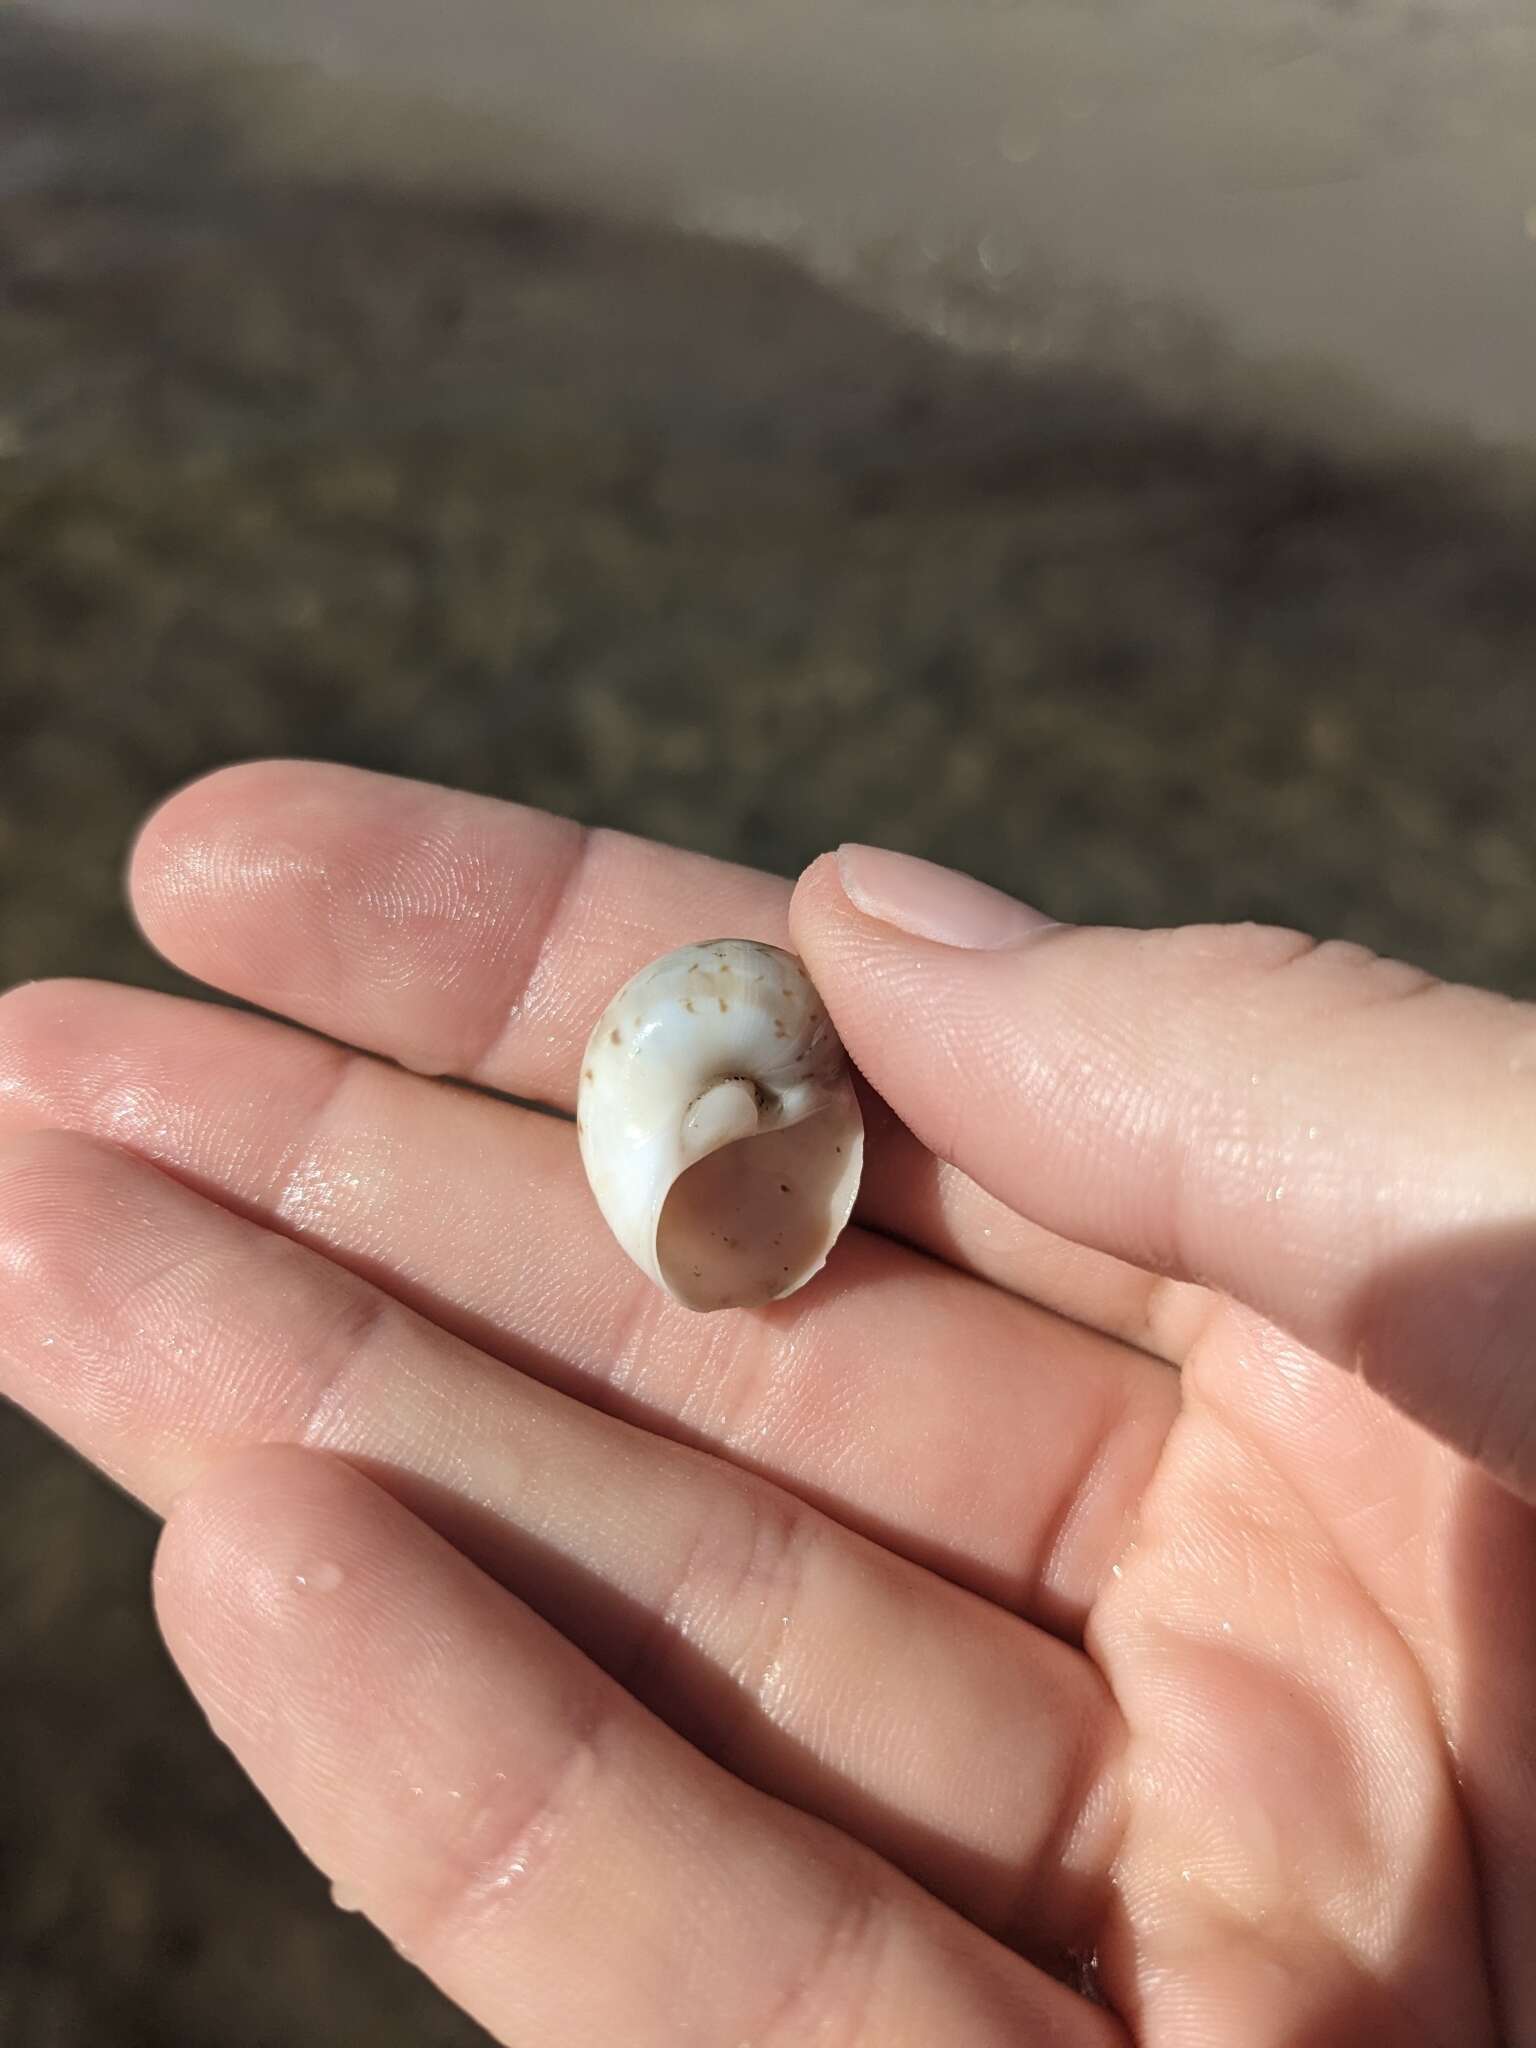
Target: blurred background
x=1157 y=572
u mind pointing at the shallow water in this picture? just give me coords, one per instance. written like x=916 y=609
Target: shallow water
x=1338 y=189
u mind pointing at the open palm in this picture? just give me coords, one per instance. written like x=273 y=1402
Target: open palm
x=1008 y=1638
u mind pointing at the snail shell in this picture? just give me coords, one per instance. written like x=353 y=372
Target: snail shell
x=718 y=1124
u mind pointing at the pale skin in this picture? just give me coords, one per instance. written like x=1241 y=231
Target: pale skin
x=1101 y=1608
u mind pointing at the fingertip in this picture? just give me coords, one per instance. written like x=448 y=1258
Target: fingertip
x=899 y=897
x=187 y=812
x=263 y=1493
x=47 y=1177
x=817 y=901
x=201 y=1560
x=221 y=875
x=227 y=1499
x=40 y=1024
x=181 y=848
x=244 y=1543
x=818 y=876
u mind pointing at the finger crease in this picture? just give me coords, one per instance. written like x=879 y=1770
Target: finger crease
x=628 y=1338
x=1088 y=1837
x=761 y=1359
x=831 y=2001
x=774 y=1578
x=549 y=919
x=764 y=1589
x=344 y=1347
x=469 y=1891
x=292 y=1185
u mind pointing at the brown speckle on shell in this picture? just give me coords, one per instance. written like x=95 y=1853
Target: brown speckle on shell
x=681 y=1217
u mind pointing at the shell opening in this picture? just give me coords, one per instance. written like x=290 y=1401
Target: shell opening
x=755 y=1218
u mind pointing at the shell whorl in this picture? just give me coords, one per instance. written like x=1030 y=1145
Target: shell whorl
x=718 y=1124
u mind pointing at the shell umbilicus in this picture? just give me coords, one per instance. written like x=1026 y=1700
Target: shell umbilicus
x=718 y=1124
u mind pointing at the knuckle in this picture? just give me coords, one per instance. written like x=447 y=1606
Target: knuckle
x=832 y=2000
x=347 y=1321
x=767 y=1593
x=522 y=1833
x=538 y=946
x=302 y=1182
x=733 y=1597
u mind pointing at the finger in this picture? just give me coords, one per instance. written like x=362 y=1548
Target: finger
x=928 y=1203
x=1341 y=1142
x=453 y=933
x=556 y=1860
x=1036 y=1438
x=463 y=936
x=826 y=1670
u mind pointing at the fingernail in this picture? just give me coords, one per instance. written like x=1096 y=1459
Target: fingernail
x=932 y=902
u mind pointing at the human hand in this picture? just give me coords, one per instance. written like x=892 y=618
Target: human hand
x=857 y=1669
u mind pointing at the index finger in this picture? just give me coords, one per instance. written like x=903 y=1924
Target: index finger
x=461 y=935
x=456 y=934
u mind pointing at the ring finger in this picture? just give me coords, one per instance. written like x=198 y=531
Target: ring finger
x=973 y=1750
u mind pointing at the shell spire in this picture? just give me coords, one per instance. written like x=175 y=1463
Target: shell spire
x=718 y=1124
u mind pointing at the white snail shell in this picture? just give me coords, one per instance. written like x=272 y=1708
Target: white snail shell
x=718 y=1124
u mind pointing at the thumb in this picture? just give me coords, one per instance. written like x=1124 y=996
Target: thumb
x=1342 y=1142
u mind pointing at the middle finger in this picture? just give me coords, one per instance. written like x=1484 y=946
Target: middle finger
x=966 y=1428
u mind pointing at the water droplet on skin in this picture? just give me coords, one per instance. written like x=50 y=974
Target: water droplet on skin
x=324 y=1577
x=345 y=1899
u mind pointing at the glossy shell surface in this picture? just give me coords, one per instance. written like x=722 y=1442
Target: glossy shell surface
x=718 y=1124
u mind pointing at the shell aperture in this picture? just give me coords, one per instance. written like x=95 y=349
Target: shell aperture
x=718 y=1124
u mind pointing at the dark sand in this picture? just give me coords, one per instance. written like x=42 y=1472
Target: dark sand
x=657 y=533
